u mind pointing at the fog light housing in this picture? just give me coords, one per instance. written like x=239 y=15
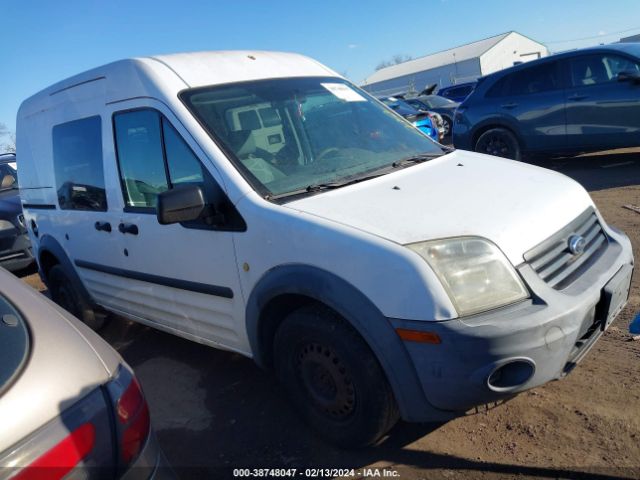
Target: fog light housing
x=511 y=375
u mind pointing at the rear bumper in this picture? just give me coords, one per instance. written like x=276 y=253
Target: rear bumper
x=489 y=357
x=150 y=464
x=461 y=135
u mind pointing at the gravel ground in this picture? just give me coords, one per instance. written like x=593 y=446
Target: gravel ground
x=215 y=410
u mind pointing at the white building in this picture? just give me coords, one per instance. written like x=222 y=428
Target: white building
x=456 y=65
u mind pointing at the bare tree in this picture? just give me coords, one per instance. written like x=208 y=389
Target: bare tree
x=9 y=146
x=395 y=60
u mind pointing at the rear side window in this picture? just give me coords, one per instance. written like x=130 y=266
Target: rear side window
x=77 y=161
x=537 y=79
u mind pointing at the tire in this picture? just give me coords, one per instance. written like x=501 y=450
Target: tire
x=333 y=378
x=446 y=125
x=65 y=294
x=499 y=142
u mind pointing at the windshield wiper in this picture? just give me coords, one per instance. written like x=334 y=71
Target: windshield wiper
x=318 y=187
x=419 y=158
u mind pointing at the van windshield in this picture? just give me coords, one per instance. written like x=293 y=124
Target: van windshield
x=288 y=135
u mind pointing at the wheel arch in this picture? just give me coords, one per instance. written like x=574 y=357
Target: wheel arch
x=51 y=253
x=496 y=123
x=285 y=288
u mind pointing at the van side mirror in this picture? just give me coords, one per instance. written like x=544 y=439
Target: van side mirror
x=633 y=77
x=183 y=203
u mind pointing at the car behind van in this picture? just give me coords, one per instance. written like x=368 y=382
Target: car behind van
x=260 y=203
x=15 y=248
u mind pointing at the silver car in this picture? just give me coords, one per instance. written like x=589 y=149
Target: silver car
x=69 y=405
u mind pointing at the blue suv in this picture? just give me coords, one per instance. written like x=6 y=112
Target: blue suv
x=569 y=103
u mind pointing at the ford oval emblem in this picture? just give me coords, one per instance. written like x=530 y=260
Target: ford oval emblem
x=577 y=244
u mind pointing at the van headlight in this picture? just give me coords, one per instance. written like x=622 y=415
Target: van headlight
x=475 y=273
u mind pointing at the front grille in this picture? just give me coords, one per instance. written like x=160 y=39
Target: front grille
x=553 y=261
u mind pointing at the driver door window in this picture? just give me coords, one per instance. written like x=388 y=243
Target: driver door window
x=599 y=69
x=140 y=157
x=152 y=158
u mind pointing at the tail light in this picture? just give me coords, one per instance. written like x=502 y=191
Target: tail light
x=133 y=413
x=131 y=416
x=76 y=444
x=63 y=457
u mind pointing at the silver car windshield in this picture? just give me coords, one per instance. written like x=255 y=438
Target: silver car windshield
x=288 y=134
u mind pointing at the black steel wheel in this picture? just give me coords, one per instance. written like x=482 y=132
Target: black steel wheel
x=499 y=142
x=325 y=378
x=332 y=378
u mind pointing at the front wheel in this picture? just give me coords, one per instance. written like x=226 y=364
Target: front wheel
x=499 y=142
x=333 y=378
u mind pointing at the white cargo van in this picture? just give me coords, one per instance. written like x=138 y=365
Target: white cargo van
x=259 y=202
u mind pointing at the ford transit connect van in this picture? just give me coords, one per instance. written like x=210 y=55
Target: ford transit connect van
x=260 y=203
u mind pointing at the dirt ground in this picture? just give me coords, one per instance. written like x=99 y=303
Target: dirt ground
x=213 y=410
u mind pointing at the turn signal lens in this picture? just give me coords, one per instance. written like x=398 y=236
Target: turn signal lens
x=417 y=336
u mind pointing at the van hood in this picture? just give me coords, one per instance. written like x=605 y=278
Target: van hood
x=513 y=204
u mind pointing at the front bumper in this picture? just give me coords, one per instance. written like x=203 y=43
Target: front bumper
x=15 y=250
x=489 y=357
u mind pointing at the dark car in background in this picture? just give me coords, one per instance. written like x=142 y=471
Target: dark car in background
x=459 y=92
x=15 y=247
x=423 y=120
x=435 y=103
x=10 y=159
x=574 y=102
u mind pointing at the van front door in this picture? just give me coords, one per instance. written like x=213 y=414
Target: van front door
x=182 y=277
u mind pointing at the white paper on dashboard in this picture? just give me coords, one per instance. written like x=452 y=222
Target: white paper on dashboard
x=343 y=92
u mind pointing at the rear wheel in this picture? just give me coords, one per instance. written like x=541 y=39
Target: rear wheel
x=65 y=294
x=499 y=142
x=333 y=378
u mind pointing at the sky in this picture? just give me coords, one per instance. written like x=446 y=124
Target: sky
x=44 y=41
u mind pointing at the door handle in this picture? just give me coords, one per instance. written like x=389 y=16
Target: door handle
x=128 y=228
x=577 y=98
x=509 y=106
x=103 y=226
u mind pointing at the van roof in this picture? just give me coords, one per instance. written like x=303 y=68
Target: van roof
x=169 y=74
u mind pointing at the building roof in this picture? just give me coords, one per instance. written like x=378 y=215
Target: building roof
x=632 y=38
x=435 y=60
